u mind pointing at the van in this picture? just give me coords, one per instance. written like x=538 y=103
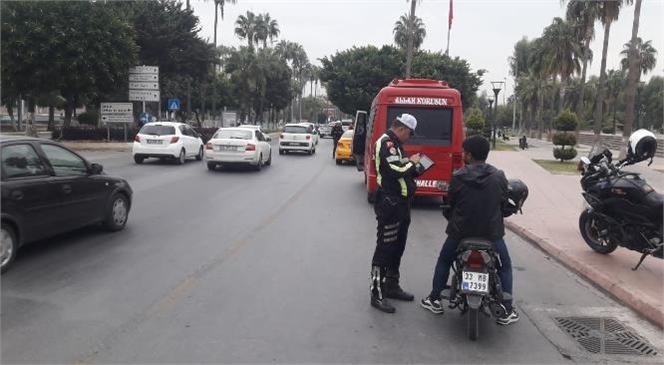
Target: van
x=439 y=133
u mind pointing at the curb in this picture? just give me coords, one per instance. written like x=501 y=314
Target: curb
x=647 y=309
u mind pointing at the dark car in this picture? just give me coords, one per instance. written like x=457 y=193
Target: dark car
x=48 y=189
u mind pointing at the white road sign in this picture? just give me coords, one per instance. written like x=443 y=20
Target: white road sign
x=144 y=95
x=144 y=85
x=117 y=112
x=143 y=78
x=144 y=70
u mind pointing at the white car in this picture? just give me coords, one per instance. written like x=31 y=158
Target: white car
x=167 y=140
x=297 y=137
x=315 y=134
x=256 y=127
x=244 y=146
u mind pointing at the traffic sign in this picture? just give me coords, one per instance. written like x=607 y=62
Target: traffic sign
x=145 y=117
x=143 y=78
x=173 y=104
x=144 y=70
x=144 y=85
x=117 y=112
x=143 y=95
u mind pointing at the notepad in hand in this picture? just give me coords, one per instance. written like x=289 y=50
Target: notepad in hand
x=426 y=162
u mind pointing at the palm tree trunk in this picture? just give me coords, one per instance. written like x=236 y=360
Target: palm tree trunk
x=214 y=66
x=540 y=109
x=411 y=35
x=632 y=80
x=597 y=127
x=51 y=118
x=580 y=107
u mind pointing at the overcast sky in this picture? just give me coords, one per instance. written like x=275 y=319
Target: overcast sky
x=483 y=32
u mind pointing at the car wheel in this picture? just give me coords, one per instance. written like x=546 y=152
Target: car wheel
x=259 y=165
x=269 y=159
x=339 y=162
x=313 y=152
x=281 y=152
x=211 y=166
x=182 y=158
x=117 y=213
x=138 y=159
x=199 y=156
x=8 y=246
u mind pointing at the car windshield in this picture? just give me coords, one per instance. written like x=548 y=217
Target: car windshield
x=157 y=130
x=434 y=125
x=295 y=129
x=233 y=134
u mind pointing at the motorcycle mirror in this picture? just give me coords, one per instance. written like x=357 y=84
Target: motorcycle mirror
x=585 y=160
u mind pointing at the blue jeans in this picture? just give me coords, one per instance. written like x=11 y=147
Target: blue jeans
x=448 y=255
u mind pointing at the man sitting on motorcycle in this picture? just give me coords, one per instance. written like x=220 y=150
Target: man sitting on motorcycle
x=477 y=201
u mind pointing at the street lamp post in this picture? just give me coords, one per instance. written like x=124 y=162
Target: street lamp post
x=497 y=86
x=490 y=113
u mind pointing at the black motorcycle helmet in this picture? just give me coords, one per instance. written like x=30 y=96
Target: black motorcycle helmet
x=642 y=145
x=517 y=192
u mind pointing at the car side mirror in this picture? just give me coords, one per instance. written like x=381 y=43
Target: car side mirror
x=96 y=169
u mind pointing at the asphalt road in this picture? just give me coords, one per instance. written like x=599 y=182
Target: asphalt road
x=267 y=267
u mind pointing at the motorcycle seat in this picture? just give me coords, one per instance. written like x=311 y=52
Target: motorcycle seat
x=654 y=200
x=475 y=243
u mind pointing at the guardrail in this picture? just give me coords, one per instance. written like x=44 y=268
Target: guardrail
x=615 y=142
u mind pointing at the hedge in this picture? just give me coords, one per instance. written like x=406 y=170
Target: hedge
x=83 y=133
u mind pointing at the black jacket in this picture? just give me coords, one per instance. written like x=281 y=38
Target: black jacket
x=337 y=132
x=477 y=196
x=392 y=165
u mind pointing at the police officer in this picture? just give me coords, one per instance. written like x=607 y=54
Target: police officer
x=337 y=132
x=396 y=187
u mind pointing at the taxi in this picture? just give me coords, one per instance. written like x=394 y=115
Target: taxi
x=344 y=148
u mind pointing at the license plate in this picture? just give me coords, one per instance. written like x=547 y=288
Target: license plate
x=154 y=141
x=227 y=148
x=475 y=281
x=294 y=144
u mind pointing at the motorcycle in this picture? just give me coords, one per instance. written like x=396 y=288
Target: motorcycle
x=476 y=287
x=621 y=209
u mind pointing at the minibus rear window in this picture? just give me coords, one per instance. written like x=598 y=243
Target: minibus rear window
x=434 y=125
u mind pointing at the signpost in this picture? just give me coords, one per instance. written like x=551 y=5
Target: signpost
x=117 y=113
x=144 y=84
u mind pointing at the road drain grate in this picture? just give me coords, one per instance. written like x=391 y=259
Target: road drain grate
x=605 y=335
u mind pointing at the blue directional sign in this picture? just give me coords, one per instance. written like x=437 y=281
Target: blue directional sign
x=145 y=117
x=173 y=104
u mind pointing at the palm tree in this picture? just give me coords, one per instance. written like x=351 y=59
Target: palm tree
x=402 y=28
x=411 y=39
x=296 y=57
x=539 y=68
x=562 y=51
x=647 y=57
x=637 y=63
x=615 y=83
x=266 y=28
x=609 y=12
x=218 y=5
x=245 y=28
x=583 y=15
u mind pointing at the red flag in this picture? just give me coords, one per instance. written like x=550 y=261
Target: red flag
x=451 y=15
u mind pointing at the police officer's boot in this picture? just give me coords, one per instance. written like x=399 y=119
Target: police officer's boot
x=378 y=299
x=392 y=288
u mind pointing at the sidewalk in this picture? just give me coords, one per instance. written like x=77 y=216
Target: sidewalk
x=550 y=220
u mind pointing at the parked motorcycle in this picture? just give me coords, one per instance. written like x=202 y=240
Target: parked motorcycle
x=621 y=208
x=476 y=287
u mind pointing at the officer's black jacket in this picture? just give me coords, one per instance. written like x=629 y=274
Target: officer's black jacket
x=395 y=173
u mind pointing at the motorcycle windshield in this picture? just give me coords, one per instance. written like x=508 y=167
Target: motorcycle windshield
x=599 y=150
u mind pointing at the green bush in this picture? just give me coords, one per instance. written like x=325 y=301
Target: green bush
x=88 y=118
x=566 y=121
x=564 y=139
x=474 y=119
x=117 y=134
x=564 y=154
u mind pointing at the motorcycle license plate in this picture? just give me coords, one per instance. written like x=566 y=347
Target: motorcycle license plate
x=475 y=281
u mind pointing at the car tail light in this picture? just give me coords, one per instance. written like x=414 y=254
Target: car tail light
x=308 y=137
x=339 y=144
x=475 y=260
x=457 y=161
x=250 y=147
x=137 y=138
x=208 y=146
x=175 y=139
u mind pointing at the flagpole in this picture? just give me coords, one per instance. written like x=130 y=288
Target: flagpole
x=447 y=51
